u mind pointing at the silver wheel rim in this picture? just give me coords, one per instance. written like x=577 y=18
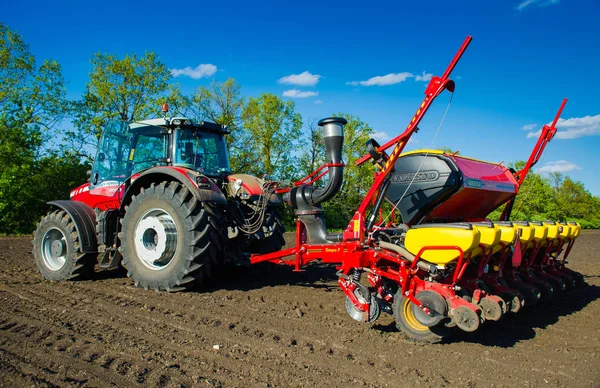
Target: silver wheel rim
x=54 y=249
x=155 y=239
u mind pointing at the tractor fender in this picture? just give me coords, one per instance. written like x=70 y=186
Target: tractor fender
x=203 y=191
x=85 y=222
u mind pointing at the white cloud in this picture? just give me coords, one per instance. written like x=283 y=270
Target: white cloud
x=295 y=93
x=383 y=80
x=525 y=4
x=538 y=3
x=318 y=101
x=529 y=127
x=578 y=127
x=380 y=136
x=425 y=77
x=558 y=166
x=302 y=79
x=200 y=71
x=574 y=127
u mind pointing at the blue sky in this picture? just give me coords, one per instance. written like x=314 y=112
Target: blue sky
x=526 y=56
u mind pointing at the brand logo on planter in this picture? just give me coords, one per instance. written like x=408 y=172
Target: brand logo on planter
x=475 y=183
x=422 y=176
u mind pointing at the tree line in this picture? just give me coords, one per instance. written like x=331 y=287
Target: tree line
x=47 y=142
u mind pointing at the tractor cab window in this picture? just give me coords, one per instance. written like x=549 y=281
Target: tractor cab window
x=110 y=165
x=126 y=149
x=149 y=146
x=205 y=152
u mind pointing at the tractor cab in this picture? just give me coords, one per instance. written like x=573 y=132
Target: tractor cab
x=127 y=149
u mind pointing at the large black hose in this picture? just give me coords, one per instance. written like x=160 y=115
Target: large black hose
x=333 y=136
x=425 y=266
x=307 y=199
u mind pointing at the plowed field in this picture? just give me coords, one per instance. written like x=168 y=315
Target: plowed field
x=268 y=326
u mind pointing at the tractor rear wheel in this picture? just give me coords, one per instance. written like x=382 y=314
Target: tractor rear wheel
x=57 y=249
x=411 y=320
x=169 y=239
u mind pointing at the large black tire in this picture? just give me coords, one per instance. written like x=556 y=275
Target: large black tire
x=57 y=250
x=198 y=241
x=273 y=231
x=413 y=330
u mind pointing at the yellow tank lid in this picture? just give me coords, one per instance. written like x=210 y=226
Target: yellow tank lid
x=564 y=230
x=552 y=233
x=540 y=231
x=576 y=229
x=490 y=233
x=425 y=151
x=525 y=231
x=464 y=236
x=508 y=234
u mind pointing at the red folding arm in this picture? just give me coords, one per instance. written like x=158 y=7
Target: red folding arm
x=548 y=132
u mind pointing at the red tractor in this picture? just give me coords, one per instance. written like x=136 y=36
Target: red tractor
x=162 y=202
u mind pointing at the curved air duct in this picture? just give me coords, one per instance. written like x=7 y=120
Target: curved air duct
x=333 y=136
x=306 y=199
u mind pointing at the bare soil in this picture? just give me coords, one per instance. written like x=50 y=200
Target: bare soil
x=268 y=326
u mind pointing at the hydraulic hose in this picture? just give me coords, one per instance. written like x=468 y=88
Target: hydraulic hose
x=425 y=266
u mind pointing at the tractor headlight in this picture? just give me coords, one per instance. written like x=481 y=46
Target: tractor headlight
x=176 y=122
x=187 y=122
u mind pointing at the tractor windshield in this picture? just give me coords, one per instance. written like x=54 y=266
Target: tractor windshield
x=125 y=149
x=205 y=152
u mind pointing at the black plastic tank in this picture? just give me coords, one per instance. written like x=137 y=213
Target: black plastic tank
x=437 y=180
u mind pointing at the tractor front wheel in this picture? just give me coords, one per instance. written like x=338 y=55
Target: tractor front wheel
x=57 y=249
x=169 y=239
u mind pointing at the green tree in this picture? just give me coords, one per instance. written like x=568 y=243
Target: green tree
x=130 y=89
x=179 y=103
x=223 y=103
x=32 y=103
x=34 y=95
x=313 y=153
x=575 y=200
x=16 y=64
x=556 y=180
x=273 y=129
x=553 y=197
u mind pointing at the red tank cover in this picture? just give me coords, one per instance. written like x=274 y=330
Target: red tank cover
x=448 y=188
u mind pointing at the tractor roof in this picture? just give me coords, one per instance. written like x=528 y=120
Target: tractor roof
x=178 y=121
x=161 y=122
